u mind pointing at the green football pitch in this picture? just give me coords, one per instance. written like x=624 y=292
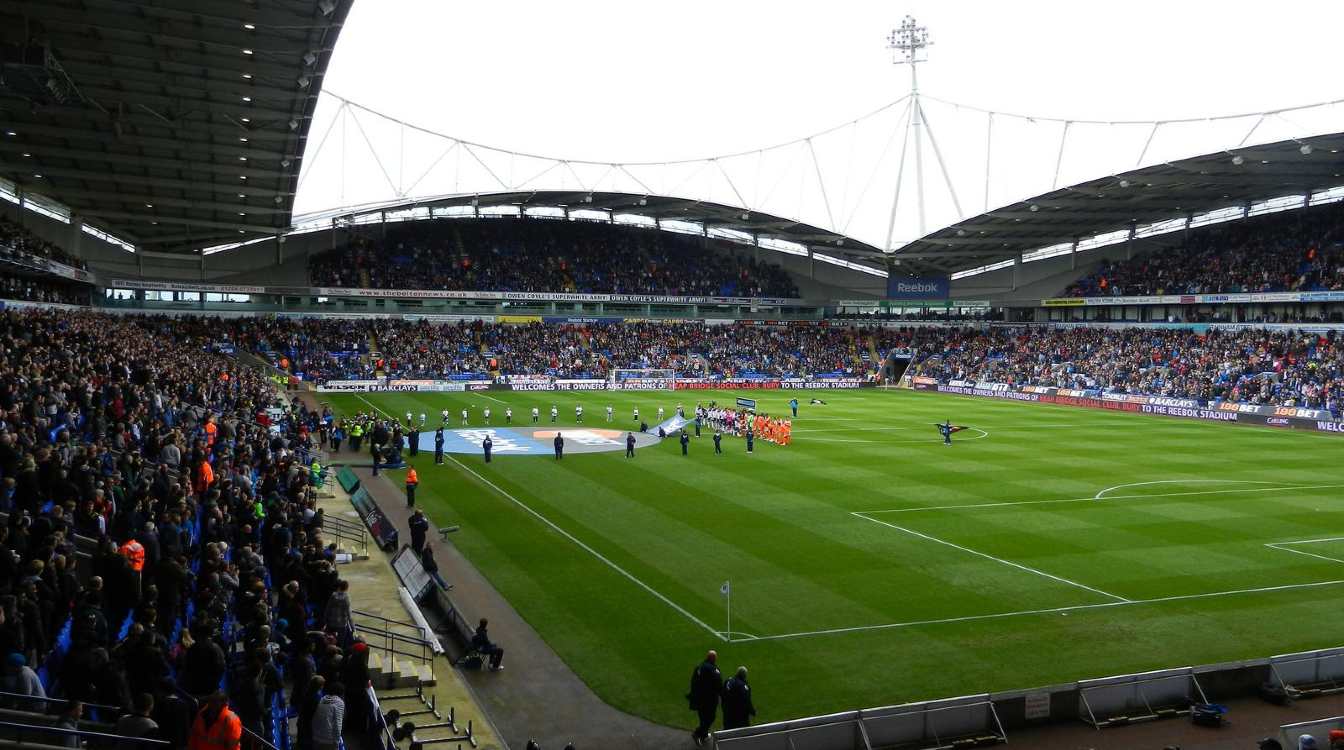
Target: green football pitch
x=870 y=564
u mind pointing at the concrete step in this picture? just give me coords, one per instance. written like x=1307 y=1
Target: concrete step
x=424 y=672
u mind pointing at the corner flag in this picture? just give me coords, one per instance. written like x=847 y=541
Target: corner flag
x=725 y=589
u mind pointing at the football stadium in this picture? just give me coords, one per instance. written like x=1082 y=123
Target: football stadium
x=406 y=375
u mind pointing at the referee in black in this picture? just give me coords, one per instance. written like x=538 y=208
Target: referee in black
x=438 y=446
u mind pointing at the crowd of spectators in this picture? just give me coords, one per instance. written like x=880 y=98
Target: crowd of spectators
x=534 y=255
x=478 y=349
x=162 y=564
x=1292 y=251
x=14 y=236
x=31 y=289
x=1280 y=368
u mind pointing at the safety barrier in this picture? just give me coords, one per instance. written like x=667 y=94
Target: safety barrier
x=1110 y=701
x=1310 y=673
x=970 y=721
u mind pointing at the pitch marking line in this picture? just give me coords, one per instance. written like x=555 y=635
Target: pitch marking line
x=627 y=574
x=1113 y=497
x=1000 y=560
x=1288 y=547
x=1102 y=494
x=492 y=398
x=1051 y=610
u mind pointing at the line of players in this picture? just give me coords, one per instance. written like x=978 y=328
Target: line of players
x=486 y=414
x=736 y=422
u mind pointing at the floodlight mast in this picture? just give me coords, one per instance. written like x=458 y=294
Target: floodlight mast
x=908 y=43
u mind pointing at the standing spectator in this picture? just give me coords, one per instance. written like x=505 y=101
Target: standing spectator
x=69 y=719
x=706 y=687
x=737 y=706
x=20 y=679
x=336 y=616
x=412 y=481
x=329 y=718
x=419 y=527
x=216 y=727
x=306 y=701
x=138 y=725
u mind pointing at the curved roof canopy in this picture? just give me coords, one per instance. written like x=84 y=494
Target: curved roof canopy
x=173 y=123
x=1294 y=170
x=718 y=220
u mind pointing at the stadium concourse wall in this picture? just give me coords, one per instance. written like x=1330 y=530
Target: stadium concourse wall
x=1284 y=417
x=987 y=718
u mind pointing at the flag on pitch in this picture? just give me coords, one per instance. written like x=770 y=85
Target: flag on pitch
x=725 y=588
x=955 y=427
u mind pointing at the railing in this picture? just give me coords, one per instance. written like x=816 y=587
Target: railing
x=392 y=642
x=347 y=531
x=16 y=732
x=48 y=700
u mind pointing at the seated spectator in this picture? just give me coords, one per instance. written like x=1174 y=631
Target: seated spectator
x=480 y=641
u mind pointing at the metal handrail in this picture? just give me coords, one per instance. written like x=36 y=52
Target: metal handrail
x=260 y=739
x=390 y=641
x=82 y=733
x=58 y=701
x=362 y=613
x=394 y=636
x=341 y=522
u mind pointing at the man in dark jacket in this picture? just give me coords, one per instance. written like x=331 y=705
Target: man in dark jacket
x=419 y=527
x=480 y=640
x=629 y=445
x=559 y=447
x=737 y=707
x=487 y=445
x=706 y=687
x=685 y=441
x=438 y=446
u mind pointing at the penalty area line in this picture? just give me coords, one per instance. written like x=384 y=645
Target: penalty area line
x=1047 y=611
x=1010 y=503
x=1000 y=560
x=627 y=574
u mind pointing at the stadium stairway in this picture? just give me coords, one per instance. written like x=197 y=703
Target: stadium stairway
x=421 y=687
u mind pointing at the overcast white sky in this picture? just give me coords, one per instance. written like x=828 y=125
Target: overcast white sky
x=626 y=81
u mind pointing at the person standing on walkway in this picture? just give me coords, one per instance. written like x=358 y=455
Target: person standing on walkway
x=412 y=481
x=487 y=445
x=737 y=707
x=559 y=447
x=419 y=528
x=706 y=687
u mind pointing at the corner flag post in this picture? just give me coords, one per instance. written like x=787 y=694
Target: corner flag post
x=727 y=590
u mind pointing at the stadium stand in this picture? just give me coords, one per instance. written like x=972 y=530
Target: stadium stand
x=560 y=256
x=1281 y=368
x=16 y=237
x=1277 y=253
x=160 y=533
